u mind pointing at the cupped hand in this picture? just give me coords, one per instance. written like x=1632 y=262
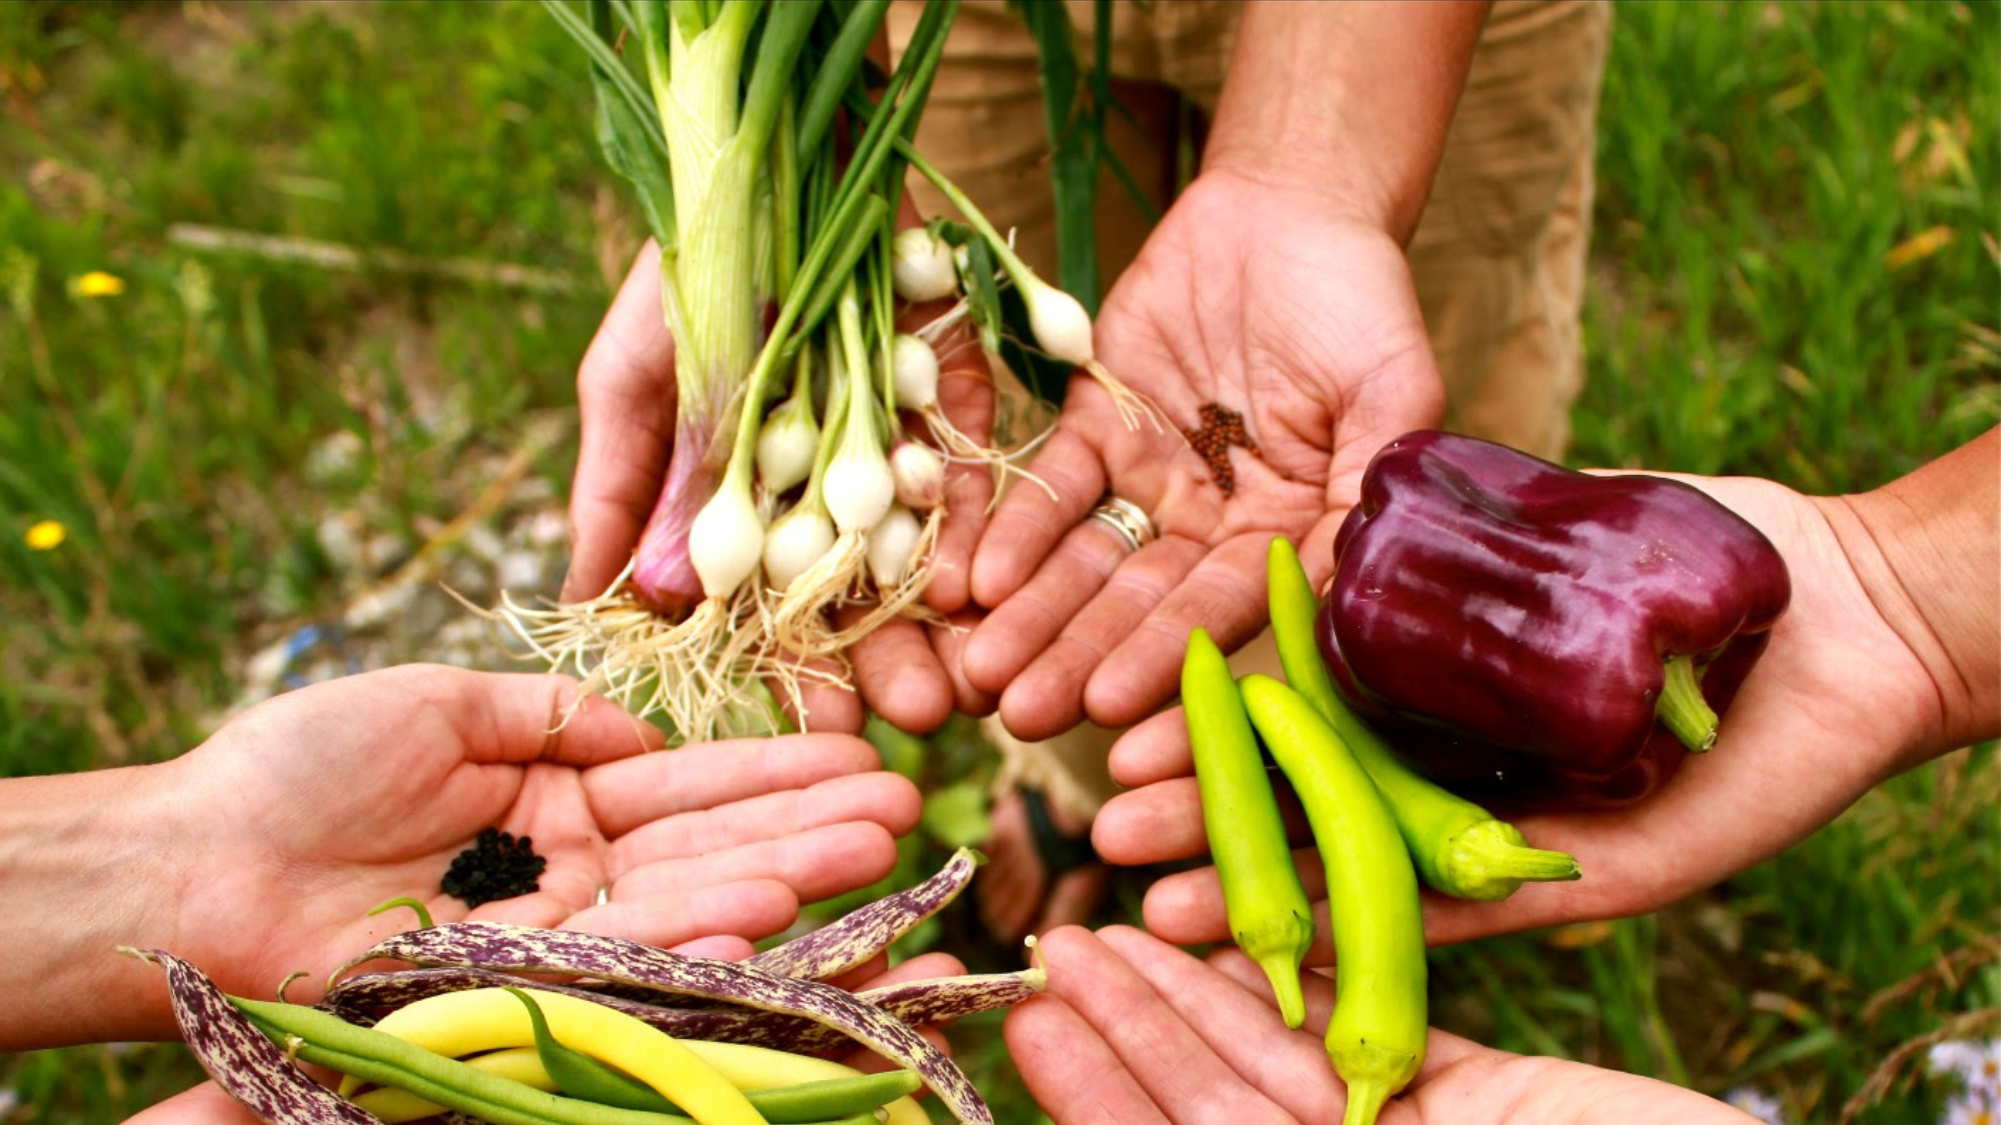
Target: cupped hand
x=1136 y=1032
x=1838 y=702
x=302 y=814
x=1266 y=301
x=626 y=405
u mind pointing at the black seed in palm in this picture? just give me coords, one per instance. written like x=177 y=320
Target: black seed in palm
x=495 y=866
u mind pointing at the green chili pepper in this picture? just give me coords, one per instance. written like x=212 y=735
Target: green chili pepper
x=1460 y=848
x=1376 y=1036
x=1269 y=915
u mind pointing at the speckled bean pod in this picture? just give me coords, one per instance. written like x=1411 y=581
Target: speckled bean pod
x=241 y=1059
x=521 y=949
x=917 y=1003
x=841 y=945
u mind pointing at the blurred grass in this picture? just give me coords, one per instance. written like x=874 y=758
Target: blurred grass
x=1796 y=277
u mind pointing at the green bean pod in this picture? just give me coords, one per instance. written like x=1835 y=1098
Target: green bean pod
x=1460 y=848
x=385 y=1060
x=1269 y=916
x=1376 y=1036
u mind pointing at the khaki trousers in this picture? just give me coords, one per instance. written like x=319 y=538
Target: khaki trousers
x=1498 y=257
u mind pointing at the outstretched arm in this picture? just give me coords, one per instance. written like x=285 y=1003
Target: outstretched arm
x=1886 y=658
x=259 y=853
x=1275 y=288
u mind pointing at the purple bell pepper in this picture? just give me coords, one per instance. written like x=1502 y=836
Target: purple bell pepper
x=1538 y=637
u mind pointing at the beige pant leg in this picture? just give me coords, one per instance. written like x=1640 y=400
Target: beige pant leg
x=1499 y=254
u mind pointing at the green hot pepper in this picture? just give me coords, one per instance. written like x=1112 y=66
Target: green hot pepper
x=1460 y=848
x=1376 y=1036
x=1269 y=915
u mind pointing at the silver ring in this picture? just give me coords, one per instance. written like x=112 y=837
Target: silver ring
x=1126 y=520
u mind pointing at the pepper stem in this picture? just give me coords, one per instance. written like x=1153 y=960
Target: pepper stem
x=1490 y=859
x=1682 y=709
x=1282 y=969
x=1365 y=1101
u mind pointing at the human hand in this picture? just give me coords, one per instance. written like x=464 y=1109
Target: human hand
x=1133 y=1030
x=626 y=401
x=1263 y=299
x=1843 y=697
x=262 y=850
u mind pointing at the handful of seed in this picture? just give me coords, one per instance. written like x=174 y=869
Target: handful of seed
x=496 y=866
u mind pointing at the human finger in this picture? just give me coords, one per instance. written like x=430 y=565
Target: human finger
x=706 y=775
x=948 y=640
x=818 y=863
x=821 y=699
x=885 y=798
x=205 y=1104
x=1224 y=594
x=1048 y=696
x=508 y=717
x=966 y=400
x=1036 y=613
x=1035 y=515
x=1161 y=823
x=1239 y=1023
x=898 y=674
x=1170 y=1061
x=750 y=909
x=1071 y=1072
x=625 y=400
x=1153 y=751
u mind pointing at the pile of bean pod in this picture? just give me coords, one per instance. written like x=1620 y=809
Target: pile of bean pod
x=481 y=1029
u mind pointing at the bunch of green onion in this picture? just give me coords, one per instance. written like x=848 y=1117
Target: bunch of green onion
x=806 y=472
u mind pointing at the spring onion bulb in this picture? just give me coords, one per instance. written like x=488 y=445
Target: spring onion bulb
x=914 y=367
x=1061 y=326
x=797 y=540
x=919 y=475
x=892 y=545
x=859 y=485
x=922 y=266
x=727 y=538
x=786 y=445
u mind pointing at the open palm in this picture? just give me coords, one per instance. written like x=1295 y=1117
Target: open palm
x=1136 y=1032
x=321 y=804
x=1838 y=702
x=1259 y=299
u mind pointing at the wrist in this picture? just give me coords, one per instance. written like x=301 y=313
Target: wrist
x=1926 y=548
x=86 y=865
x=1352 y=101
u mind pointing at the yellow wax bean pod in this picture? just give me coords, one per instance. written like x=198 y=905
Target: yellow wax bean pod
x=488 y=1019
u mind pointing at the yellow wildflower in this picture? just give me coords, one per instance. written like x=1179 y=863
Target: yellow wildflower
x=97 y=283
x=46 y=536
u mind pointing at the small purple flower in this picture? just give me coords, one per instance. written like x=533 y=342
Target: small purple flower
x=1969 y=1108
x=1758 y=1104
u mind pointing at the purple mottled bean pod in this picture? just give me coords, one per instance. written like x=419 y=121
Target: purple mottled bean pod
x=492 y=945
x=246 y=1064
x=838 y=946
x=916 y=1002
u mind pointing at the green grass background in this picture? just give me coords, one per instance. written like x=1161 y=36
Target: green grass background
x=1795 y=276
